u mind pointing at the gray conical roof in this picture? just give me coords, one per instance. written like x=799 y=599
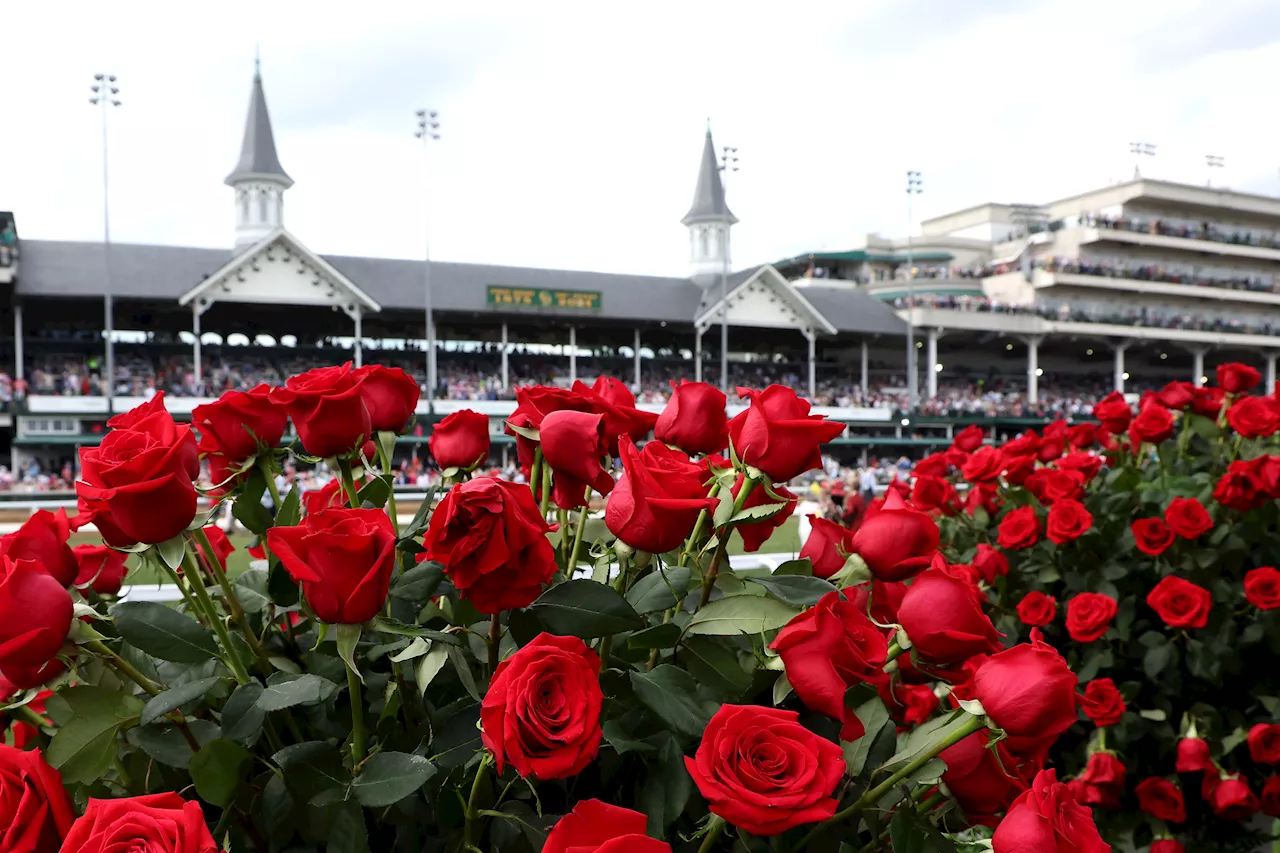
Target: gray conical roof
x=258 y=157
x=708 y=198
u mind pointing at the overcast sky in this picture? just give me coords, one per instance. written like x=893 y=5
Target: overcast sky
x=571 y=131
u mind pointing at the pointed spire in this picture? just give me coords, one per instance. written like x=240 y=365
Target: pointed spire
x=708 y=197
x=258 y=157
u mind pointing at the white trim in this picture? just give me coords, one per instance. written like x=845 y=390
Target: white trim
x=710 y=317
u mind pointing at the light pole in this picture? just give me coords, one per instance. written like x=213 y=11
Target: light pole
x=428 y=130
x=104 y=91
x=1140 y=150
x=1213 y=161
x=914 y=187
x=728 y=163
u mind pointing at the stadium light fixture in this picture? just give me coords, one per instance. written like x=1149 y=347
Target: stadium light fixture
x=1008 y=346
x=915 y=186
x=1089 y=351
x=1213 y=161
x=1039 y=371
x=428 y=131
x=104 y=96
x=1125 y=376
x=728 y=163
x=1140 y=150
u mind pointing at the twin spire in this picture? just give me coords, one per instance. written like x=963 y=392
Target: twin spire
x=258 y=158
x=708 y=198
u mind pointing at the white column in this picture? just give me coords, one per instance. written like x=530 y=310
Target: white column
x=1033 y=370
x=636 y=347
x=573 y=353
x=697 y=355
x=506 y=364
x=195 y=348
x=359 y=354
x=19 y=361
x=865 y=372
x=931 y=350
x=1271 y=373
x=1197 y=366
x=1119 y=367
x=813 y=370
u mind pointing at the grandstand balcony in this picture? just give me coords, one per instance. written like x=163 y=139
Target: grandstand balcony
x=1196 y=245
x=1044 y=279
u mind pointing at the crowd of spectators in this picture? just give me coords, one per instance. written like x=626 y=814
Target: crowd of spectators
x=1187 y=230
x=1153 y=272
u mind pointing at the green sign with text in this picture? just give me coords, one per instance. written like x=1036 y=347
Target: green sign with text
x=528 y=297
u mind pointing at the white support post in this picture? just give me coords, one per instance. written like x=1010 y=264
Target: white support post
x=1119 y=367
x=1271 y=374
x=195 y=347
x=506 y=364
x=573 y=353
x=1197 y=366
x=636 y=347
x=1033 y=370
x=697 y=355
x=813 y=369
x=19 y=360
x=865 y=373
x=359 y=353
x=931 y=351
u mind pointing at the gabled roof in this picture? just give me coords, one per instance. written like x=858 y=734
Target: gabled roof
x=258 y=158
x=778 y=284
x=708 y=197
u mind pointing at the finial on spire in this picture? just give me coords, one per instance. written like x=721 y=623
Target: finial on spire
x=257 y=62
x=708 y=125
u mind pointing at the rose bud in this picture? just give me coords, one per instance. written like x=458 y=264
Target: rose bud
x=1229 y=795
x=573 y=445
x=944 y=619
x=1114 y=412
x=658 y=498
x=1153 y=425
x=1236 y=378
x=1047 y=819
x=390 y=395
x=1193 y=755
x=101 y=568
x=694 y=419
x=35 y=617
x=778 y=435
x=979 y=777
x=241 y=423
x=1161 y=799
x=157 y=823
x=597 y=827
x=1102 y=782
x=827 y=546
x=1027 y=690
x=897 y=542
x=460 y=441
x=990 y=563
x=328 y=409
x=970 y=438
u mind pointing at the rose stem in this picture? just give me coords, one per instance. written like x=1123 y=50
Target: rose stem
x=875 y=844
x=202 y=595
x=192 y=607
x=205 y=554
x=357 y=719
x=391 y=492
x=708 y=581
x=348 y=482
x=714 y=828
x=546 y=489
x=129 y=671
x=472 y=813
x=572 y=563
x=495 y=642
x=535 y=473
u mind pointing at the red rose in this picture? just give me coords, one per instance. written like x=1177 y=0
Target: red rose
x=573 y=445
x=42 y=538
x=984 y=466
x=1161 y=799
x=342 y=558
x=1102 y=782
x=914 y=704
x=1081 y=436
x=1102 y=702
x=240 y=423
x=1089 y=615
x=136 y=486
x=1018 y=468
x=1152 y=536
x=100 y=567
x=328 y=496
x=930 y=493
x=1051 y=485
x=541 y=713
x=222 y=547
x=1193 y=755
x=1114 y=412
x=1051 y=449
x=944 y=619
x=1087 y=465
x=1019 y=529
x=1264 y=743
x=1180 y=603
x=934 y=465
x=1153 y=425
x=1236 y=378
x=980 y=777
x=754 y=534
x=1262 y=588
x=990 y=563
x=35 y=806
x=763 y=772
x=970 y=438
x=1026 y=444
x=1068 y=519
x=1188 y=518
x=1176 y=395
x=1240 y=488
x=328 y=409
x=1254 y=417
x=778 y=435
x=597 y=827
x=1037 y=609
x=694 y=419
x=1056 y=430
x=35 y=617
x=880 y=599
x=827 y=649
x=826 y=546
x=492 y=541
x=1271 y=796
x=985 y=497
x=897 y=542
x=1267 y=468
x=1208 y=401
x=156 y=823
x=1166 y=845
x=461 y=440
x=611 y=398
x=1229 y=795
x=1047 y=819
x=390 y=395
x=1027 y=690
x=533 y=403
x=658 y=498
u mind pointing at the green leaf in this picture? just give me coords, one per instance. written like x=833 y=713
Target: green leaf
x=84 y=746
x=622 y=741
x=392 y=626
x=798 y=568
x=794 y=589
x=311 y=768
x=760 y=512
x=277 y=806
x=874 y=716
x=348 y=637
x=283 y=589
x=741 y=614
x=429 y=666
x=163 y=632
x=654 y=591
x=711 y=663
x=922 y=740
x=422 y=516
x=663 y=636
x=667 y=787
x=291 y=510
x=1156 y=659
x=375 y=492
x=584 y=608
x=171 y=551
x=285 y=691
x=670 y=693
x=166 y=744
x=247 y=507
x=218 y=770
x=176 y=697
x=1233 y=740
x=348 y=834
x=389 y=777
x=781 y=689
x=242 y=719
x=464 y=673
x=905 y=835
x=251 y=589
x=416 y=649
x=419 y=584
